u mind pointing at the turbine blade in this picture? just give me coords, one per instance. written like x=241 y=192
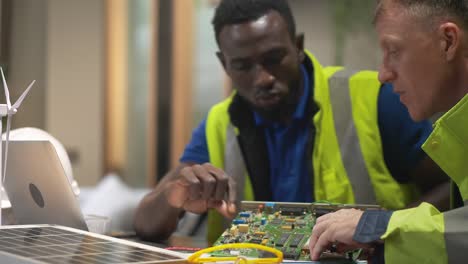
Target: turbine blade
x=5 y=87
x=18 y=102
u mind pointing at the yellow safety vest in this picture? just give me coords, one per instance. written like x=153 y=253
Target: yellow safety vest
x=423 y=234
x=347 y=169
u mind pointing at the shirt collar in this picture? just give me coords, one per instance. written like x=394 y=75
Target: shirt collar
x=300 y=108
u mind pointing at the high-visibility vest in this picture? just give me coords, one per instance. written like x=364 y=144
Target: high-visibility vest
x=347 y=159
x=423 y=234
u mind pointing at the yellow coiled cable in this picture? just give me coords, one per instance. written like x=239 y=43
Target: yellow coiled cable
x=197 y=256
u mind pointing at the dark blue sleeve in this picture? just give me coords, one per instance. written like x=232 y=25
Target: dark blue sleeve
x=196 y=150
x=371 y=226
x=402 y=138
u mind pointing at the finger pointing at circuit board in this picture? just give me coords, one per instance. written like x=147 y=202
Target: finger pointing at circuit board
x=227 y=207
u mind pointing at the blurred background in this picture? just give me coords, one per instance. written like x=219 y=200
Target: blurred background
x=122 y=83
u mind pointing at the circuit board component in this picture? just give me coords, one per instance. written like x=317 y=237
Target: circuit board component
x=284 y=226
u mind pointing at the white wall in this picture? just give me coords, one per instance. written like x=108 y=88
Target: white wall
x=27 y=61
x=75 y=81
x=60 y=44
x=314 y=19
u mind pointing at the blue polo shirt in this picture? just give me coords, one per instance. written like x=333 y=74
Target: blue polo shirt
x=289 y=179
x=401 y=141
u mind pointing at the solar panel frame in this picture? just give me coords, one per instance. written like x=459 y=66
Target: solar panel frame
x=58 y=244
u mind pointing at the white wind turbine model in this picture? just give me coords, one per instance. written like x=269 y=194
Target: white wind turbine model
x=8 y=110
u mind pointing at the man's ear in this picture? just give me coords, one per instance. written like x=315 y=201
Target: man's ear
x=221 y=59
x=450 y=36
x=300 y=46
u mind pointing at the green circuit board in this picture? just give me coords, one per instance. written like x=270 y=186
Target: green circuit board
x=284 y=226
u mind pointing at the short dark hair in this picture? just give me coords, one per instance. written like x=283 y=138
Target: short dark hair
x=455 y=9
x=231 y=12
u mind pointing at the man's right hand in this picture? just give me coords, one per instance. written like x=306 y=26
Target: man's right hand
x=198 y=188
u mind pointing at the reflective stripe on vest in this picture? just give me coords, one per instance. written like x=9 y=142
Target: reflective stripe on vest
x=360 y=172
x=456 y=234
x=234 y=166
x=348 y=140
x=225 y=153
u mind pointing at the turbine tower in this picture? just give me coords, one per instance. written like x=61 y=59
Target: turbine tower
x=8 y=110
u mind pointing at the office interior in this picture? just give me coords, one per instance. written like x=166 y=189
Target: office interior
x=122 y=83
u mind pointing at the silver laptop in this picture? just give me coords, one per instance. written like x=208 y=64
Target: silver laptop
x=38 y=188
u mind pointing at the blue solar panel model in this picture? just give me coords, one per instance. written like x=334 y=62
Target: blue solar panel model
x=56 y=244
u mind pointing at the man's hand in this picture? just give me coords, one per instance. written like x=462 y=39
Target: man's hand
x=336 y=229
x=200 y=187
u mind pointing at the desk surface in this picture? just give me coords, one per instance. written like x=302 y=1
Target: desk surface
x=173 y=241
